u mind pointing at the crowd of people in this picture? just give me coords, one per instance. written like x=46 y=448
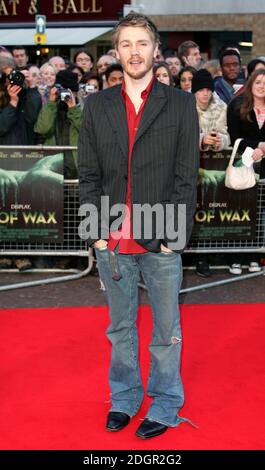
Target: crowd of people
x=44 y=104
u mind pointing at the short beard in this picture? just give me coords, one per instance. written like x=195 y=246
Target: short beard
x=142 y=74
x=138 y=75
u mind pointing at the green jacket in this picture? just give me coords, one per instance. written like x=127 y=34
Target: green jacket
x=49 y=126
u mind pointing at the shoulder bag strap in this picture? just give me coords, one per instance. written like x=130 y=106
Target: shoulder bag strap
x=235 y=148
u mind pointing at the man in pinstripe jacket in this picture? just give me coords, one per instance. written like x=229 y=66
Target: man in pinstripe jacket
x=139 y=145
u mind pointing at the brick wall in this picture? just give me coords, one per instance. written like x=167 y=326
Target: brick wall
x=240 y=22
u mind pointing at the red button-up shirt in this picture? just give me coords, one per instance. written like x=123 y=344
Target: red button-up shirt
x=127 y=245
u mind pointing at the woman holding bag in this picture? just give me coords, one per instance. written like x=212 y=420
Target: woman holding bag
x=246 y=120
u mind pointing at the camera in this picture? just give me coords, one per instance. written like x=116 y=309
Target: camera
x=62 y=93
x=16 y=78
x=65 y=95
x=85 y=87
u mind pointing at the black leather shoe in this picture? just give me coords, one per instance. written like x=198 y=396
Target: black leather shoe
x=150 y=428
x=117 y=421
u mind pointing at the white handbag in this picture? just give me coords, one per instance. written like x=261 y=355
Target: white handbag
x=239 y=177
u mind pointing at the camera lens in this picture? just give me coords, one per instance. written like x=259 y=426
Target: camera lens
x=16 y=78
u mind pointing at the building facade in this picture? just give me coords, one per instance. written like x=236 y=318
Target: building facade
x=71 y=24
x=210 y=23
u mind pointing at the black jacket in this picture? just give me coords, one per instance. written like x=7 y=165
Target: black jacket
x=165 y=158
x=248 y=130
x=16 y=123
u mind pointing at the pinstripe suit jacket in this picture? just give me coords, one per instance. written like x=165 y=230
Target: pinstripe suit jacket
x=165 y=158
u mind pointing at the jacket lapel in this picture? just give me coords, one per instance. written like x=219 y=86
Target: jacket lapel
x=155 y=103
x=116 y=112
x=254 y=118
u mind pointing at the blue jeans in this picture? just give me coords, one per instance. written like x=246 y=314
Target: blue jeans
x=162 y=273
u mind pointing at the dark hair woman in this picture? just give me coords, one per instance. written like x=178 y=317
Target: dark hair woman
x=185 y=77
x=92 y=78
x=246 y=117
x=163 y=73
x=95 y=85
x=246 y=120
x=255 y=64
x=84 y=59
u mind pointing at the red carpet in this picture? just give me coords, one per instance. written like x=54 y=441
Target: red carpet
x=53 y=379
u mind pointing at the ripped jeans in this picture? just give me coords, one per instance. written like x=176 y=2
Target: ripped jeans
x=162 y=273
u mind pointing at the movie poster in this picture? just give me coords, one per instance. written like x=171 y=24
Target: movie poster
x=31 y=196
x=222 y=213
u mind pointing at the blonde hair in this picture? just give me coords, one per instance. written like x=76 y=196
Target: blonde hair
x=46 y=65
x=136 y=20
x=213 y=66
x=6 y=62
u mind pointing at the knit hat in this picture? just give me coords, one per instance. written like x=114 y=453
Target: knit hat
x=202 y=79
x=67 y=79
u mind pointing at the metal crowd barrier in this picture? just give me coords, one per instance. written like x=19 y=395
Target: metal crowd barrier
x=72 y=245
x=256 y=244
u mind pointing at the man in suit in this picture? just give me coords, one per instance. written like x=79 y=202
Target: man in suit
x=139 y=145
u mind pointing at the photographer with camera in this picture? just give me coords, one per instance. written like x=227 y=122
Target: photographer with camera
x=58 y=124
x=59 y=119
x=8 y=105
x=19 y=107
x=90 y=83
x=47 y=81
